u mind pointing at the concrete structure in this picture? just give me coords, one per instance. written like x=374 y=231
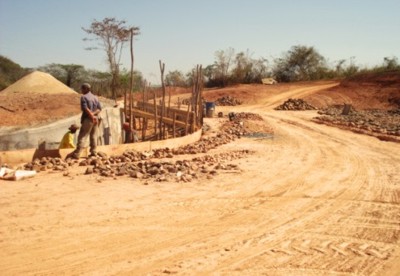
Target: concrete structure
x=18 y=157
x=49 y=136
x=23 y=145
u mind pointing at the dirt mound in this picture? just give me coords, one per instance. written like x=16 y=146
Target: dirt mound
x=227 y=101
x=366 y=91
x=38 y=82
x=245 y=93
x=36 y=99
x=24 y=109
x=380 y=78
x=39 y=98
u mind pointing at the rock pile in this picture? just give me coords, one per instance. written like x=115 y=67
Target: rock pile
x=247 y=116
x=180 y=170
x=247 y=124
x=223 y=101
x=142 y=165
x=228 y=101
x=295 y=104
x=48 y=163
x=366 y=121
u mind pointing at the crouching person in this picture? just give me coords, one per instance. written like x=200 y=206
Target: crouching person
x=67 y=142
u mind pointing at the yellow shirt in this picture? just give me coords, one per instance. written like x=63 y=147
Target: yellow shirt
x=67 y=142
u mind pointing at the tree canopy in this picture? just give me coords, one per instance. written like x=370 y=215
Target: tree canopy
x=112 y=35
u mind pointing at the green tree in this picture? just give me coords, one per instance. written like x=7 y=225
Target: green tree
x=10 y=72
x=125 y=80
x=247 y=69
x=222 y=66
x=391 y=63
x=175 y=78
x=112 y=35
x=300 y=63
x=70 y=74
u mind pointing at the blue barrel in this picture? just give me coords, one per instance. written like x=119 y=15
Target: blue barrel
x=210 y=109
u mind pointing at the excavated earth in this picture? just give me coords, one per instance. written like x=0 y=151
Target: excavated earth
x=303 y=198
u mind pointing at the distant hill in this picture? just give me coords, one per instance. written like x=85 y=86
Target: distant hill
x=10 y=72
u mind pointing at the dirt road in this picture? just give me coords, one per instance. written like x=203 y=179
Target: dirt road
x=314 y=200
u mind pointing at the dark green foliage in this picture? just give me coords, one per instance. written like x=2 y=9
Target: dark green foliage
x=10 y=72
x=300 y=63
x=175 y=78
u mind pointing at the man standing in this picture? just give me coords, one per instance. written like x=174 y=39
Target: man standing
x=90 y=107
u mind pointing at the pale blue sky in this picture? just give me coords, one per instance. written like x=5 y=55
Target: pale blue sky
x=183 y=33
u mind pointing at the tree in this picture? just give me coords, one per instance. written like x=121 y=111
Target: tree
x=124 y=80
x=175 y=78
x=247 y=69
x=67 y=73
x=300 y=63
x=112 y=34
x=222 y=65
x=72 y=72
x=10 y=72
x=391 y=63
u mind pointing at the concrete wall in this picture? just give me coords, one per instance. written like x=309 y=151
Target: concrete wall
x=24 y=156
x=51 y=134
x=22 y=146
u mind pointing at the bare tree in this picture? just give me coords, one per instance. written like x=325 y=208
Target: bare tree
x=112 y=35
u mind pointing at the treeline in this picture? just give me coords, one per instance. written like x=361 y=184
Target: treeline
x=299 y=63
x=72 y=75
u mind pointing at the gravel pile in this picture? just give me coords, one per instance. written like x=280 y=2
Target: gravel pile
x=228 y=101
x=295 y=104
x=154 y=165
x=374 y=121
x=247 y=116
x=160 y=170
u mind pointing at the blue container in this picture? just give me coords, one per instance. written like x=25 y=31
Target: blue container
x=210 y=109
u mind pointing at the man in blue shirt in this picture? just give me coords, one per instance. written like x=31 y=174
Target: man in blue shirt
x=91 y=108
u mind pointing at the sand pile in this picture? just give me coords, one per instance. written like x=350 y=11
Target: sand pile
x=37 y=82
x=37 y=98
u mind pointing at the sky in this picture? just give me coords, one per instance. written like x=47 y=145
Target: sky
x=186 y=33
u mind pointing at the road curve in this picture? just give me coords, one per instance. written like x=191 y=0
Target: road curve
x=314 y=200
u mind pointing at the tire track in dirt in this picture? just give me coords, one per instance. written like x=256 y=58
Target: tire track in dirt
x=314 y=200
x=341 y=254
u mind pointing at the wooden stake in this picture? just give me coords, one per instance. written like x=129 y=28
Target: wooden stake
x=162 y=68
x=131 y=92
x=155 y=115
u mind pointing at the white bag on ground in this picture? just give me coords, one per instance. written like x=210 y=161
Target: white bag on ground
x=9 y=174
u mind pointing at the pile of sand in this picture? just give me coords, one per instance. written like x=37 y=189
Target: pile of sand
x=37 y=82
x=37 y=98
